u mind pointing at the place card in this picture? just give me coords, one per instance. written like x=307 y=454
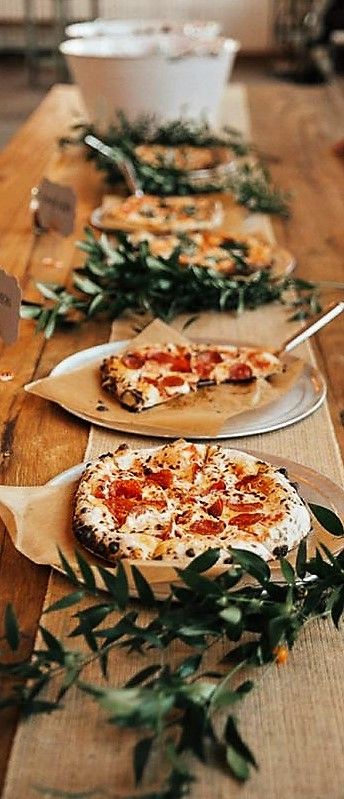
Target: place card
x=55 y=207
x=10 y=298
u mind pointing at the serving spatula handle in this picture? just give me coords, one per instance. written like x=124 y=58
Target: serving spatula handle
x=124 y=164
x=312 y=327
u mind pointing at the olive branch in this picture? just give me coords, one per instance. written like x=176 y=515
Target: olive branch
x=187 y=710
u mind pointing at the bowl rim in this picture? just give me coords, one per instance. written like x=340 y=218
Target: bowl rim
x=70 y=47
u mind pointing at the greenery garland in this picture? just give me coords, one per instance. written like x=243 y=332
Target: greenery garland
x=250 y=182
x=185 y=710
x=119 y=276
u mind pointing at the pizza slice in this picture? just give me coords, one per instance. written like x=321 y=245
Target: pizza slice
x=173 y=503
x=155 y=213
x=144 y=377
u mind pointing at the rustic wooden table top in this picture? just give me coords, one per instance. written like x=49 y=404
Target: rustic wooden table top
x=295 y=127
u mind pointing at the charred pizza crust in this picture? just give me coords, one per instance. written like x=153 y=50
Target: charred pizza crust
x=144 y=377
x=175 y=502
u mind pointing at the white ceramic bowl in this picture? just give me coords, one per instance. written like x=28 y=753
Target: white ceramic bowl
x=168 y=76
x=202 y=29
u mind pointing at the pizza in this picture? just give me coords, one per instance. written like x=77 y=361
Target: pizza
x=182 y=157
x=145 y=376
x=174 y=502
x=161 y=213
x=226 y=253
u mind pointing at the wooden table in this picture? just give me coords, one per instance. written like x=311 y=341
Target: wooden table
x=296 y=127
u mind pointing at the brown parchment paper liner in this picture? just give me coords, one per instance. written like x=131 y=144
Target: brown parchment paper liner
x=39 y=521
x=203 y=412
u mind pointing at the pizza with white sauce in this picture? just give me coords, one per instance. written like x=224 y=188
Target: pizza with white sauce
x=173 y=503
x=145 y=376
x=155 y=213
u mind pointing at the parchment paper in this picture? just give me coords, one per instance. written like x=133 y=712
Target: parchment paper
x=203 y=412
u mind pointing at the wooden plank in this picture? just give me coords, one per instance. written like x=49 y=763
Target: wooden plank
x=298 y=131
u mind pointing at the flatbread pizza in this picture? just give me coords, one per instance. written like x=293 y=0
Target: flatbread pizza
x=175 y=502
x=159 y=214
x=146 y=376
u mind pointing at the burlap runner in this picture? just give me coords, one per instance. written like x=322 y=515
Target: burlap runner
x=294 y=722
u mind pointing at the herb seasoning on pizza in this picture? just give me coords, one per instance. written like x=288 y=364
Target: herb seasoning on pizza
x=175 y=502
x=148 y=376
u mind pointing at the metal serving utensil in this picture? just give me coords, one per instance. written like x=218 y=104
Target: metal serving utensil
x=312 y=327
x=123 y=163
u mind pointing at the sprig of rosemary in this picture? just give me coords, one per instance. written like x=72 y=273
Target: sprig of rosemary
x=250 y=182
x=184 y=710
x=119 y=276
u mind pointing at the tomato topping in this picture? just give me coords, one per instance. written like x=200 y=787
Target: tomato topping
x=220 y=485
x=207 y=527
x=130 y=489
x=120 y=507
x=133 y=361
x=246 y=519
x=181 y=363
x=242 y=507
x=256 y=482
x=171 y=380
x=240 y=371
x=164 y=478
x=99 y=492
x=216 y=508
x=206 y=361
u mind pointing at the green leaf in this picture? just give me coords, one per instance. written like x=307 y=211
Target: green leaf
x=143 y=675
x=287 y=571
x=47 y=290
x=233 y=738
x=253 y=564
x=328 y=519
x=301 y=559
x=189 y=666
x=53 y=645
x=86 y=571
x=237 y=764
x=140 y=757
x=143 y=588
x=67 y=568
x=122 y=588
x=204 y=561
x=12 y=633
x=66 y=601
x=231 y=614
x=85 y=284
x=338 y=608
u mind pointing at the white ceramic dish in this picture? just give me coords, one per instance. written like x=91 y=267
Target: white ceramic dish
x=196 y=28
x=172 y=77
x=306 y=397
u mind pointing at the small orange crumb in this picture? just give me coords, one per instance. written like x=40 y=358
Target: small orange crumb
x=47 y=262
x=5 y=377
x=281 y=655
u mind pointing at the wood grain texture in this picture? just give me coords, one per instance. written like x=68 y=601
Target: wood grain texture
x=294 y=722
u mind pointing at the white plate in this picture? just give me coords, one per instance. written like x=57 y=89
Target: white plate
x=304 y=398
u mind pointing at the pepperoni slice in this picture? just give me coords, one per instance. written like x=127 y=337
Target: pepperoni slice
x=242 y=507
x=240 y=371
x=220 y=485
x=245 y=520
x=171 y=381
x=120 y=507
x=160 y=357
x=181 y=363
x=207 y=527
x=164 y=478
x=205 y=362
x=129 y=489
x=132 y=360
x=216 y=508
